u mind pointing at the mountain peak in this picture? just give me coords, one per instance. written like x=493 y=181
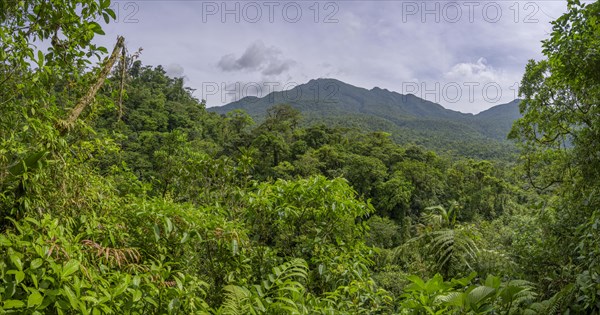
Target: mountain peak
x=378 y=89
x=325 y=80
x=328 y=99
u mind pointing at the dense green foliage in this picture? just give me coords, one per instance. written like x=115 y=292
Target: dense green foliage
x=150 y=204
x=561 y=139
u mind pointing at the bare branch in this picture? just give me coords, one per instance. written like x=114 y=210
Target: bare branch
x=89 y=96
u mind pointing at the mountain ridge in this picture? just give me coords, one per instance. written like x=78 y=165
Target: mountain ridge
x=406 y=116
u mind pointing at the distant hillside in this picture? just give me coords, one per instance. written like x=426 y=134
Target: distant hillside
x=408 y=118
x=497 y=121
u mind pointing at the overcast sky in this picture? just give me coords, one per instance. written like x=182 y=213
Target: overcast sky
x=466 y=55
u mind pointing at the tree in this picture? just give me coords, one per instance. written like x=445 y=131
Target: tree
x=282 y=118
x=477 y=187
x=560 y=135
x=393 y=196
x=40 y=89
x=275 y=133
x=315 y=219
x=365 y=173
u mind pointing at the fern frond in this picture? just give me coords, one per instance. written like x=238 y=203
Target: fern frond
x=237 y=301
x=557 y=303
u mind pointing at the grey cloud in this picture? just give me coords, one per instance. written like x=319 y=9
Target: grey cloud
x=174 y=70
x=229 y=63
x=257 y=57
x=277 y=67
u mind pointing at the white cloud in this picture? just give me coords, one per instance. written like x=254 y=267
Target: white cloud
x=478 y=71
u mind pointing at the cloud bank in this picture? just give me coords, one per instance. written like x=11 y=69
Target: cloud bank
x=386 y=44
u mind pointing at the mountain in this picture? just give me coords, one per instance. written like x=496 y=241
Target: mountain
x=408 y=118
x=497 y=121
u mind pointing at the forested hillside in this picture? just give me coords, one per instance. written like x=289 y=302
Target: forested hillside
x=121 y=194
x=410 y=119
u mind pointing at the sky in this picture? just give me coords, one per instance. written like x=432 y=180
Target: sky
x=466 y=55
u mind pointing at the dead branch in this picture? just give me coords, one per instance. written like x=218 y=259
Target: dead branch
x=89 y=96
